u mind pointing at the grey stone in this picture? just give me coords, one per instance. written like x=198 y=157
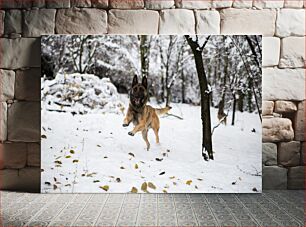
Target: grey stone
x=24 y=122
x=3 y=121
x=276 y=86
x=38 y=3
x=292 y=52
x=191 y=4
x=277 y=129
x=296 y=177
x=156 y=5
x=80 y=3
x=27 y=4
x=33 y=158
x=14 y=155
x=267 y=107
x=26 y=179
x=293 y=4
x=274 y=177
x=7 y=81
x=285 y=107
x=177 y=21
x=2 y=15
x=133 y=22
x=15 y=4
x=303 y=160
x=20 y=53
x=269 y=154
x=248 y=21
x=39 y=22
x=262 y=4
x=81 y=21
x=55 y=4
x=100 y=3
x=126 y=4
x=290 y=22
x=242 y=4
x=270 y=51
x=13 y=21
x=207 y=22
x=299 y=122
x=27 y=85
x=13 y=36
x=221 y=4
x=289 y=154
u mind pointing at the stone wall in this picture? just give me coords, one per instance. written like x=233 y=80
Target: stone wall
x=280 y=21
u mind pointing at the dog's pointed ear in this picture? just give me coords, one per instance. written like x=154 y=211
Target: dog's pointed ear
x=145 y=82
x=135 y=81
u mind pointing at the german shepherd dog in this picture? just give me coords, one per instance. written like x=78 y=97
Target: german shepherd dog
x=143 y=116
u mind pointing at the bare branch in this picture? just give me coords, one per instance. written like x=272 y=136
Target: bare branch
x=173 y=115
x=221 y=120
x=206 y=41
x=256 y=174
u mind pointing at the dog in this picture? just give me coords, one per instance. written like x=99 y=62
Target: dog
x=143 y=116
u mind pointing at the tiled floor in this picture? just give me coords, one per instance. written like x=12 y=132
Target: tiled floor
x=271 y=208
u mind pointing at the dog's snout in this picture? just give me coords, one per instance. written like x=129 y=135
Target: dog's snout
x=137 y=101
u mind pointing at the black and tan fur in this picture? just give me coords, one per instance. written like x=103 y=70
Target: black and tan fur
x=143 y=116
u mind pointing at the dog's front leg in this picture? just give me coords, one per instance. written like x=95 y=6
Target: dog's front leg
x=140 y=127
x=127 y=120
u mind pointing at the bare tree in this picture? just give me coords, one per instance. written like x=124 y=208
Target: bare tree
x=197 y=49
x=144 y=54
x=174 y=74
x=82 y=50
x=251 y=79
x=171 y=63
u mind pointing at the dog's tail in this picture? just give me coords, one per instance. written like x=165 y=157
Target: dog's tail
x=161 y=111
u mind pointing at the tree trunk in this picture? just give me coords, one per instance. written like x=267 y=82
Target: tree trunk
x=205 y=97
x=168 y=97
x=240 y=101
x=183 y=88
x=234 y=110
x=222 y=101
x=249 y=93
x=162 y=95
x=166 y=85
x=81 y=56
x=253 y=51
x=144 y=52
x=81 y=70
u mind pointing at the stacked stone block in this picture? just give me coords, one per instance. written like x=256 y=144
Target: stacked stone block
x=281 y=22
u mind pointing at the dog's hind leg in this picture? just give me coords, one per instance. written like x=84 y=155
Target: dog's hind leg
x=145 y=137
x=155 y=127
x=156 y=134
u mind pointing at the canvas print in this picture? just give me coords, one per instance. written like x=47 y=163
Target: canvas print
x=151 y=114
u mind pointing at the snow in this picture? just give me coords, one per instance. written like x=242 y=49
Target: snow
x=74 y=93
x=82 y=153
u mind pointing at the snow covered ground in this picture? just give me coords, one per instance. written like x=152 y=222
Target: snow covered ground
x=94 y=153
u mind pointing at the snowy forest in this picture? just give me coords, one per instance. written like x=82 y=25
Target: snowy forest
x=215 y=79
x=232 y=65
